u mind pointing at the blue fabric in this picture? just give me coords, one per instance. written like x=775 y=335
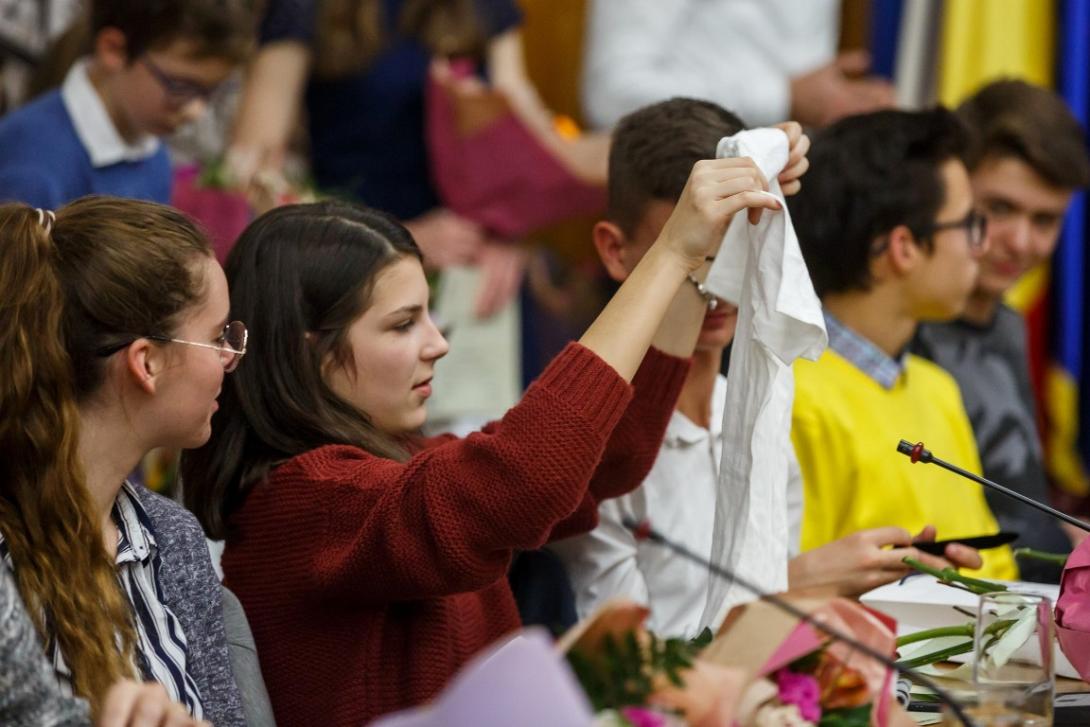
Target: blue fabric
x=44 y=164
x=367 y=129
x=1069 y=263
x=885 y=29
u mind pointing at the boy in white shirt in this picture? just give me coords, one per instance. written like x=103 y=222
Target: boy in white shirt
x=652 y=152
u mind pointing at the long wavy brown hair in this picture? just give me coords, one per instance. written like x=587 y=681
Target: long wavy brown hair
x=352 y=32
x=64 y=286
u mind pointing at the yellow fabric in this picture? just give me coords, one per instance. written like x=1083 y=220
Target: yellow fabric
x=1029 y=289
x=983 y=40
x=1061 y=444
x=845 y=428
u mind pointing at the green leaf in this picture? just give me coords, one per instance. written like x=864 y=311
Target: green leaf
x=848 y=717
x=701 y=640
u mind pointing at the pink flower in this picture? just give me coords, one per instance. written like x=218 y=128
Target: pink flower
x=640 y=717
x=801 y=690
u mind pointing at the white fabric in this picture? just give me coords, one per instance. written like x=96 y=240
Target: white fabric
x=761 y=269
x=95 y=129
x=741 y=54
x=678 y=497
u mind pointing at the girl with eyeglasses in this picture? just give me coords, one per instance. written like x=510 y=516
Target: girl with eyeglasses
x=372 y=563
x=114 y=340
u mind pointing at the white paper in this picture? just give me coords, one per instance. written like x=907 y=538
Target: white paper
x=479 y=378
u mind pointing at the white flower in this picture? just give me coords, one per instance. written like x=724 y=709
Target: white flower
x=779 y=715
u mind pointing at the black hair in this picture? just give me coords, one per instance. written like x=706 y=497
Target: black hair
x=869 y=174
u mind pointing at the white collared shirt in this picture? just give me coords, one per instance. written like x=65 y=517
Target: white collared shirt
x=94 y=127
x=677 y=497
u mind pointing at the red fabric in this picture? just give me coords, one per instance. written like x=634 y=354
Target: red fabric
x=369 y=582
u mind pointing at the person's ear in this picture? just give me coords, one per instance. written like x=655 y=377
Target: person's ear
x=611 y=244
x=111 y=50
x=144 y=363
x=903 y=251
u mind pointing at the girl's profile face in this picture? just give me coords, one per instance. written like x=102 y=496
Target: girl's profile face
x=192 y=384
x=394 y=346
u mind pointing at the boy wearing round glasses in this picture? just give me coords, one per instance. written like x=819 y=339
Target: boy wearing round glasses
x=887 y=226
x=150 y=70
x=1026 y=159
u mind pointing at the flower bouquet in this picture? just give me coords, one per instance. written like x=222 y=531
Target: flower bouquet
x=764 y=669
x=804 y=677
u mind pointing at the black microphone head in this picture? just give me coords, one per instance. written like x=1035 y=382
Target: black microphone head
x=904 y=447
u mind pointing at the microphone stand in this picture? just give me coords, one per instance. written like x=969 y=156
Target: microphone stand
x=644 y=531
x=917 y=453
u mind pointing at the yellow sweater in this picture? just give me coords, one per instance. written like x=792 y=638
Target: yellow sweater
x=845 y=428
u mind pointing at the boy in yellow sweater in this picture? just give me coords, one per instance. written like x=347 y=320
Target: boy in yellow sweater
x=887 y=225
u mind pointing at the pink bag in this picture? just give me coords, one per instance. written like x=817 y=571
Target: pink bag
x=488 y=166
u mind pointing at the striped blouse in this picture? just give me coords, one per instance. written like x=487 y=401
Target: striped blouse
x=161 y=652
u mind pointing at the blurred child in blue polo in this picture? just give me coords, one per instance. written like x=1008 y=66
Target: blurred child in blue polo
x=150 y=69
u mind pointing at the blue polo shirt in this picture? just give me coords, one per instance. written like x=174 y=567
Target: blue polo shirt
x=44 y=162
x=367 y=129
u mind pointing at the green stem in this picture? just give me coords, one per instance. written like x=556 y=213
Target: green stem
x=1057 y=558
x=995 y=630
x=950 y=576
x=937 y=633
x=935 y=656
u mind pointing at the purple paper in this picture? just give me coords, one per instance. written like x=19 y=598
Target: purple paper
x=524 y=681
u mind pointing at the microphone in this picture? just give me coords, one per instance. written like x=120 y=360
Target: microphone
x=644 y=531
x=917 y=453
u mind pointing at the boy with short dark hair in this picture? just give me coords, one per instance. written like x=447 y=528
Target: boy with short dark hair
x=888 y=228
x=150 y=69
x=1027 y=158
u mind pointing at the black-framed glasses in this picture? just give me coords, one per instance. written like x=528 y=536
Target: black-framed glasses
x=231 y=346
x=179 y=90
x=975 y=225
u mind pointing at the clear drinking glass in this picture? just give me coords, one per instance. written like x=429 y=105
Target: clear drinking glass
x=1013 y=671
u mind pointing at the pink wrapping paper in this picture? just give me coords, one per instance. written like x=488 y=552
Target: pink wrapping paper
x=1073 y=610
x=223 y=214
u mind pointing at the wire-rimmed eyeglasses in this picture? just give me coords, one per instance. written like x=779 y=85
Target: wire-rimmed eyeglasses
x=231 y=346
x=180 y=90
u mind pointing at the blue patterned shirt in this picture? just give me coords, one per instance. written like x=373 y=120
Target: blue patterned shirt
x=863 y=354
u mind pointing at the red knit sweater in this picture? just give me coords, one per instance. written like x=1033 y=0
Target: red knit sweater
x=369 y=582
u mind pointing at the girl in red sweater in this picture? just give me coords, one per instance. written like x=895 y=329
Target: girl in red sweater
x=372 y=565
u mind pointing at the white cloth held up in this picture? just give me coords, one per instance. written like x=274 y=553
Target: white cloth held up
x=760 y=268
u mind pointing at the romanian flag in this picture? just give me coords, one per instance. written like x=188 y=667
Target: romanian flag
x=1066 y=441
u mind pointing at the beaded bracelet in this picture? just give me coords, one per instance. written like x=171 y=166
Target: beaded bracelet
x=706 y=294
